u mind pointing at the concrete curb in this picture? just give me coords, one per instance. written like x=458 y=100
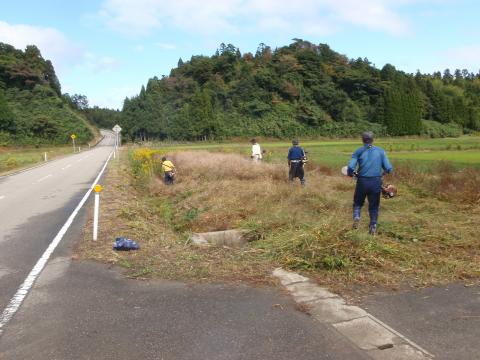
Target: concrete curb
x=367 y=332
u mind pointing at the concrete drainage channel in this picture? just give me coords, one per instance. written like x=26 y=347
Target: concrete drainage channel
x=364 y=330
x=230 y=238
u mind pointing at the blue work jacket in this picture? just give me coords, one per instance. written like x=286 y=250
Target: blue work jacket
x=296 y=153
x=371 y=161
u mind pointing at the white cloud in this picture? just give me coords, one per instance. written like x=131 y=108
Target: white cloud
x=462 y=57
x=166 y=46
x=53 y=44
x=209 y=16
x=99 y=64
x=113 y=97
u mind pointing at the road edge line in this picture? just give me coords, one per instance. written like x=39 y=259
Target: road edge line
x=22 y=292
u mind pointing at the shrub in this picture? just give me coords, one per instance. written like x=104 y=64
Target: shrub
x=434 y=129
x=143 y=163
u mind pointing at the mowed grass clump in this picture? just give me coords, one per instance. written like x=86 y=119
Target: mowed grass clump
x=423 y=238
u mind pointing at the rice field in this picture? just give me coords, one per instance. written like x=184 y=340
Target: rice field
x=461 y=152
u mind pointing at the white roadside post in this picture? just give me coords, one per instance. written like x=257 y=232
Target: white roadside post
x=97 y=188
x=45 y=156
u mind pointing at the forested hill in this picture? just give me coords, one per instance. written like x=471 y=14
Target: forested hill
x=32 y=109
x=301 y=89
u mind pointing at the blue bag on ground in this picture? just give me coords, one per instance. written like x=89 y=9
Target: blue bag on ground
x=122 y=243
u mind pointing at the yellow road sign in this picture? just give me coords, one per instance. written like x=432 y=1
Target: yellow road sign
x=98 y=188
x=73 y=136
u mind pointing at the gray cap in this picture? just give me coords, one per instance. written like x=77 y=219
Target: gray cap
x=367 y=137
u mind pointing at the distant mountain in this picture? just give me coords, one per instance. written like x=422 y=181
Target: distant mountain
x=299 y=90
x=32 y=109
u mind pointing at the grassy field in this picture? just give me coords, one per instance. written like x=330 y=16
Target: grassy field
x=12 y=159
x=16 y=158
x=427 y=235
x=464 y=151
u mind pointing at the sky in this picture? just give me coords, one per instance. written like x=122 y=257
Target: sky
x=108 y=49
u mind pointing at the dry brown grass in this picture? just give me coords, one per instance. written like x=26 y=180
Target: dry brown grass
x=422 y=239
x=224 y=191
x=443 y=182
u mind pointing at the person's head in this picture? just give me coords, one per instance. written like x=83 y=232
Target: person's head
x=164 y=158
x=295 y=142
x=253 y=141
x=367 y=137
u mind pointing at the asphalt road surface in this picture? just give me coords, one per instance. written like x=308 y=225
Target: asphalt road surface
x=444 y=320
x=35 y=204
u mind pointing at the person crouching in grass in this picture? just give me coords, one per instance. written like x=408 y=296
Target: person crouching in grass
x=168 y=171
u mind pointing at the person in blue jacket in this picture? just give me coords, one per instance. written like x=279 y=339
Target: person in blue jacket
x=368 y=163
x=296 y=159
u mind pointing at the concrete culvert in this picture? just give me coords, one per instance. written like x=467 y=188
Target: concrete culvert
x=230 y=238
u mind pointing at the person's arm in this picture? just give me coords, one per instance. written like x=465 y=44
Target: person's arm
x=289 y=157
x=352 y=165
x=386 y=165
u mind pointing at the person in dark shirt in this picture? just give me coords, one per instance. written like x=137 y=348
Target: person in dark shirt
x=296 y=160
x=368 y=163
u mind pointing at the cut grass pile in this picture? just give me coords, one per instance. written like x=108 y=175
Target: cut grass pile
x=427 y=235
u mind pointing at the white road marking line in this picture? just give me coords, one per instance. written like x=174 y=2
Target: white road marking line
x=2 y=197
x=66 y=167
x=43 y=178
x=23 y=290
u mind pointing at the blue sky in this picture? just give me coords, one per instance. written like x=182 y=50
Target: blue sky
x=107 y=49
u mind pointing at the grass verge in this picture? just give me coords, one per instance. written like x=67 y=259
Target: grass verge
x=16 y=158
x=427 y=235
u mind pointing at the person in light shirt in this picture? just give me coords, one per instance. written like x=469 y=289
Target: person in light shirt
x=256 y=150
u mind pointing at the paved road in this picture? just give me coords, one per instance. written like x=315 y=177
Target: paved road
x=83 y=310
x=35 y=204
x=444 y=320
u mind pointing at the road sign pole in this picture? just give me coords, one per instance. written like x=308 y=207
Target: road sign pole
x=73 y=136
x=96 y=211
x=116 y=129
